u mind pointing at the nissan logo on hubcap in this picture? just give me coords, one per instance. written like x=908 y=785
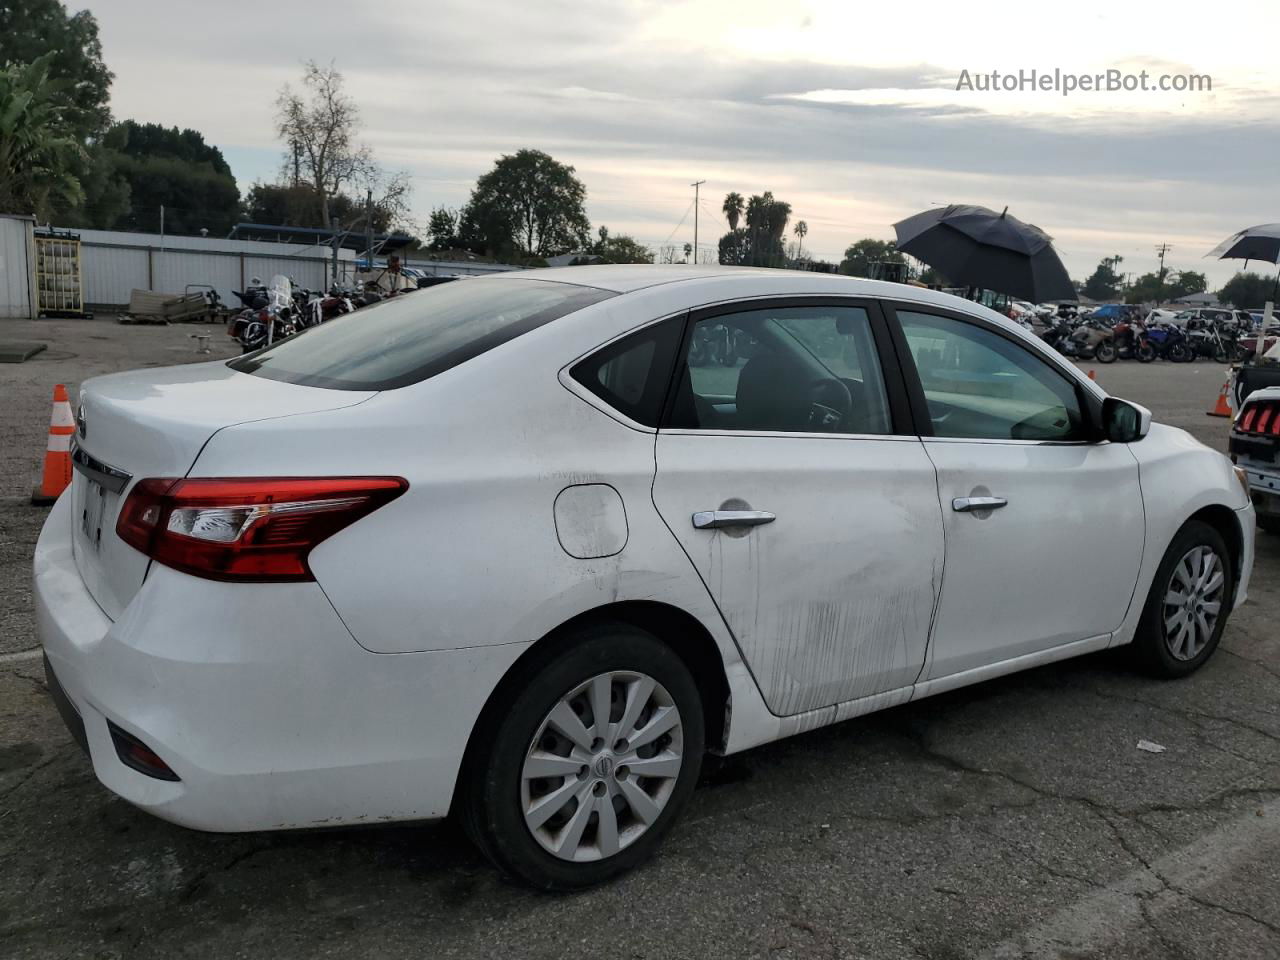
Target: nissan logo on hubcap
x=604 y=767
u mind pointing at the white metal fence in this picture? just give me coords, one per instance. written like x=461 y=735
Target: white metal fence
x=17 y=292
x=114 y=263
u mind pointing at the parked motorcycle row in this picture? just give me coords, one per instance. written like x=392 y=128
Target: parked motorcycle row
x=1109 y=334
x=282 y=309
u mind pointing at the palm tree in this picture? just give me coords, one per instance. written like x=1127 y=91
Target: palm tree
x=37 y=150
x=733 y=207
x=801 y=229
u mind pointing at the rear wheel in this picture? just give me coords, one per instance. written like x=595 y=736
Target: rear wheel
x=1180 y=353
x=591 y=762
x=1145 y=352
x=1188 y=605
x=1105 y=352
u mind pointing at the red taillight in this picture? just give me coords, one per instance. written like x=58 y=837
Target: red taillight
x=1246 y=421
x=250 y=529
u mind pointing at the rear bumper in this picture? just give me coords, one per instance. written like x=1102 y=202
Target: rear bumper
x=257 y=697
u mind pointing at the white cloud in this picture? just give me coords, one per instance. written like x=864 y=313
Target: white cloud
x=848 y=111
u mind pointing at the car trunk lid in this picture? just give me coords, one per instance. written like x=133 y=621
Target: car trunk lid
x=153 y=423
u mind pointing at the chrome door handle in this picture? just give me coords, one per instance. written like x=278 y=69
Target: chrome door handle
x=714 y=519
x=970 y=504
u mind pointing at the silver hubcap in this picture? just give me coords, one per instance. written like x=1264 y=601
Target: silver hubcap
x=602 y=766
x=1192 y=602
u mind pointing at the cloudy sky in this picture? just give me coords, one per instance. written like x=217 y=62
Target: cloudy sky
x=849 y=111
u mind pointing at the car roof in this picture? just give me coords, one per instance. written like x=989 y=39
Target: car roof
x=628 y=278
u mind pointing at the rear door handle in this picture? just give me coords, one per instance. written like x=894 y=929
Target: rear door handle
x=970 y=504
x=714 y=519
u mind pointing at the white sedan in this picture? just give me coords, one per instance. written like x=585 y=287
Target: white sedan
x=525 y=547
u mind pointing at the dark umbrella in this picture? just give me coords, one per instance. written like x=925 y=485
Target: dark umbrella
x=981 y=248
x=1252 y=243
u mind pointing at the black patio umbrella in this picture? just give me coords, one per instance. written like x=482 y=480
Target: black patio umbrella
x=1252 y=243
x=993 y=251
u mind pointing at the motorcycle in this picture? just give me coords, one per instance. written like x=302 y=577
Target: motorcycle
x=320 y=309
x=1170 y=343
x=1090 y=340
x=267 y=318
x=1221 y=342
x=1132 y=343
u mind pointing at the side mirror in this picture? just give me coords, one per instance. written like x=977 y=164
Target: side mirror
x=1124 y=422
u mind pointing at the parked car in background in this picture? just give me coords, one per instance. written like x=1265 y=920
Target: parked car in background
x=1255 y=448
x=501 y=548
x=1212 y=315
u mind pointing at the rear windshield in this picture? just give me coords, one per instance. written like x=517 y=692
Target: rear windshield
x=416 y=335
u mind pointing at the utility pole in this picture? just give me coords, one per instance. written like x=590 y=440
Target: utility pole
x=1161 y=251
x=368 y=227
x=695 y=217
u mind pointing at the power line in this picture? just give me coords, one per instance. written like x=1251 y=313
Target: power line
x=680 y=224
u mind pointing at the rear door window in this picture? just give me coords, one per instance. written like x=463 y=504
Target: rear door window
x=417 y=335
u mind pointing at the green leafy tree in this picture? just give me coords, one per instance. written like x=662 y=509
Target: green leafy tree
x=294 y=206
x=1149 y=287
x=1245 y=291
x=801 y=230
x=859 y=256
x=31 y=29
x=529 y=204
x=39 y=152
x=760 y=242
x=154 y=166
x=442 y=229
x=620 y=248
x=733 y=208
x=1104 y=282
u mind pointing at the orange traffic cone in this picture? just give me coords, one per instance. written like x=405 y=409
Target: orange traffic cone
x=1092 y=375
x=57 y=456
x=1222 y=408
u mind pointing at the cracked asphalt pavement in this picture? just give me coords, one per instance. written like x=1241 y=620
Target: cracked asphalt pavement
x=1016 y=818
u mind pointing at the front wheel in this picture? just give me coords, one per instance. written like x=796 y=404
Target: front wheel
x=1145 y=352
x=591 y=762
x=1105 y=352
x=1180 y=353
x=1188 y=604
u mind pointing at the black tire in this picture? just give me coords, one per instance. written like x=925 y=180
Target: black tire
x=1145 y=353
x=1151 y=645
x=1180 y=353
x=1269 y=524
x=491 y=803
x=1220 y=354
x=1105 y=352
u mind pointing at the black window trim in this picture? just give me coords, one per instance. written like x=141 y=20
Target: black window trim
x=900 y=414
x=584 y=392
x=1090 y=404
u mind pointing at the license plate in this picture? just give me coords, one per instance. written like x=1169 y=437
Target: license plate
x=95 y=500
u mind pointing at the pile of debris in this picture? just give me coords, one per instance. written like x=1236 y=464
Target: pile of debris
x=147 y=306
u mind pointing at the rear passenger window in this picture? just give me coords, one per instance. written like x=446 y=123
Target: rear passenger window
x=631 y=374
